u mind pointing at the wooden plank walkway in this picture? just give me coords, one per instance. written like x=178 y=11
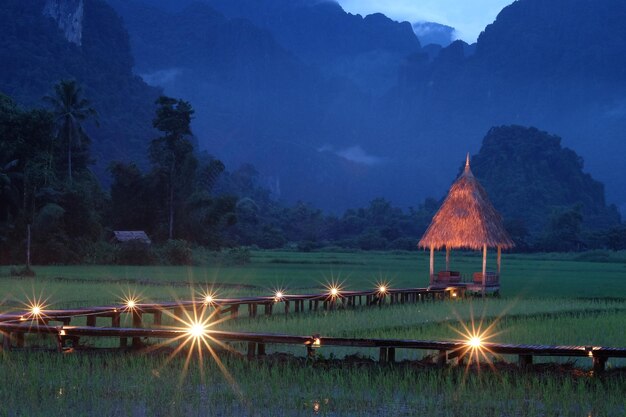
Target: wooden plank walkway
x=446 y=350
x=325 y=301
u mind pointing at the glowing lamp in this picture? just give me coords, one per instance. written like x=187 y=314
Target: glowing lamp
x=382 y=289
x=35 y=310
x=279 y=295
x=334 y=291
x=317 y=342
x=131 y=304
x=197 y=330
x=475 y=342
x=454 y=294
x=62 y=332
x=208 y=299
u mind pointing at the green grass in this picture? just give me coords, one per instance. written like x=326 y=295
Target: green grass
x=526 y=276
x=547 y=299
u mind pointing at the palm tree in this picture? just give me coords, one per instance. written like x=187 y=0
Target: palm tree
x=70 y=109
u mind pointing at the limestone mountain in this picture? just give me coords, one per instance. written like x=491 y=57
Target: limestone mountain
x=44 y=41
x=528 y=175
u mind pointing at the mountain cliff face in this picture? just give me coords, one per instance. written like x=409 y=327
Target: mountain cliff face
x=42 y=42
x=366 y=50
x=69 y=16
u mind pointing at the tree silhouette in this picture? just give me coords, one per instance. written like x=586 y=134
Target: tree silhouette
x=70 y=110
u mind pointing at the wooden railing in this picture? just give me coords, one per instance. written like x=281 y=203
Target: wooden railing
x=256 y=343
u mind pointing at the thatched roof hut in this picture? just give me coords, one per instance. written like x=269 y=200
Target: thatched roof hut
x=466 y=219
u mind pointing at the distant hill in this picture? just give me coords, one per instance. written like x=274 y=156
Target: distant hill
x=36 y=51
x=528 y=174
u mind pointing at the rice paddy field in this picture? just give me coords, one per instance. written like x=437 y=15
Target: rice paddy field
x=545 y=299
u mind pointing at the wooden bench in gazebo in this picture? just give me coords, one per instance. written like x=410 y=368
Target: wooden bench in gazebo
x=466 y=220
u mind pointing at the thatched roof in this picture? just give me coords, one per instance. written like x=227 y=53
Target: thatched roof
x=128 y=235
x=467 y=219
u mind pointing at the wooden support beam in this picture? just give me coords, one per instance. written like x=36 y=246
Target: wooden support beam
x=499 y=259
x=137 y=323
x=382 y=355
x=19 y=340
x=268 y=309
x=432 y=264
x=157 y=317
x=234 y=311
x=447 y=258
x=287 y=307
x=116 y=321
x=91 y=321
x=599 y=364
x=261 y=349
x=442 y=358
x=484 y=268
x=525 y=361
x=391 y=355
x=297 y=309
x=251 y=350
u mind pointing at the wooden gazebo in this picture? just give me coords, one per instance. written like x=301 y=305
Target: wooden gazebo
x=466 y=220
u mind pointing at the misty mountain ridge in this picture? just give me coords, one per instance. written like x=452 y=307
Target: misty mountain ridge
x=526 y=68
x=335 y=108
x=431 y=33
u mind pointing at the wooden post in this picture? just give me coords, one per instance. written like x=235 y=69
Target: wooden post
x=137 y=321
x=116 y=322
x=499 y=259
x=287 y=307
x=382 y=356
x=525 y=361
x=261 y=349
x=91 y=321
x=19 y=342
x=598 y=365
x=432 y=264
x=297 y=310
x=391 y=355
x=447 y=258
x=442 y=358
x=484 y=268
x=234 y=311
x=251 y=349
x=158 y=317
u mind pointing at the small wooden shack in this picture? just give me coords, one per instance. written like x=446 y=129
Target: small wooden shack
x=123 y=236
x=466 y=220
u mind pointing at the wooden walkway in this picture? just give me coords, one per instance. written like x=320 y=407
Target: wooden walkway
x=256 y=343
x=14 y=326
x=295 y=303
